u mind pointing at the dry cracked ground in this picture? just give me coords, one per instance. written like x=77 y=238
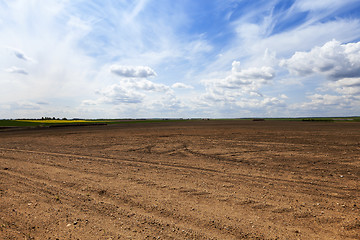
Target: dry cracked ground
x=182 y=180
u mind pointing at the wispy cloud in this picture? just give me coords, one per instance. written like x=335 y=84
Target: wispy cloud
x=16 y=70
x=22 y=55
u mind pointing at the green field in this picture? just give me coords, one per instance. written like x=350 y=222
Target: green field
x=305 y=119
x=47 y=123
x=36 y=123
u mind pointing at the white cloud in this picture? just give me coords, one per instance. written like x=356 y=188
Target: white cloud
x=253 y=77
x=39 y=43
x=239 y=90
x=128 y=91
x=181 y=85
x=144 y=84
x=198 y=46
x=253 y=39
x=17 y=70
x=214 y=95
x=346 y=86
x=130 y=99
x=90 y=102
x=348 y=82
x=319 y=101
x=132 y=71
x=19 y=54
x=326 y=99
x=264 y=73
x=25 y=105
x=255 y=94
x=305 y=5
x=333 y=59
x=117 y=94
x=283 y=96
x=339 y=95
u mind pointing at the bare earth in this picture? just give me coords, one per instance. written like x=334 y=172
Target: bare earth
x=182 y=180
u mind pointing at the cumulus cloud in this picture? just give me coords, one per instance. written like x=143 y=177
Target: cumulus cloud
x=128 y=91
x=146 y=85
x=328 y=101
x=17 y=70
x=251 y=76
x=346 y=86
x=239 y=91
x=181 y=85
x=133 y=71
x=214 y=95
x=339 y=63
x=333 y=59
x=255 y=94
x=283 y=96
x=265 y=73
x=327 y=105
x=117 y=94
x=236 y=106
x=325 y=99
x=240 y=88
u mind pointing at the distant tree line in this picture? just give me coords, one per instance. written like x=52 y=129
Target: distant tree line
x=52 y=118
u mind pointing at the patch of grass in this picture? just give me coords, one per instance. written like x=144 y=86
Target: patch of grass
x=46 y=123
x=54 y=121
x=15 y=123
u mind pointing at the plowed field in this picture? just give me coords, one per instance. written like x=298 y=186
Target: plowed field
x=182 y=180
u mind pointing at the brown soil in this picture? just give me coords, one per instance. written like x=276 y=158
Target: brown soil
x=182 y=180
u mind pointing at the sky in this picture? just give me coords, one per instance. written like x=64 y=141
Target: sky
x=179 y=59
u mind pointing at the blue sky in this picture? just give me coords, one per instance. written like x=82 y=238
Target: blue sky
x=162 y=58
